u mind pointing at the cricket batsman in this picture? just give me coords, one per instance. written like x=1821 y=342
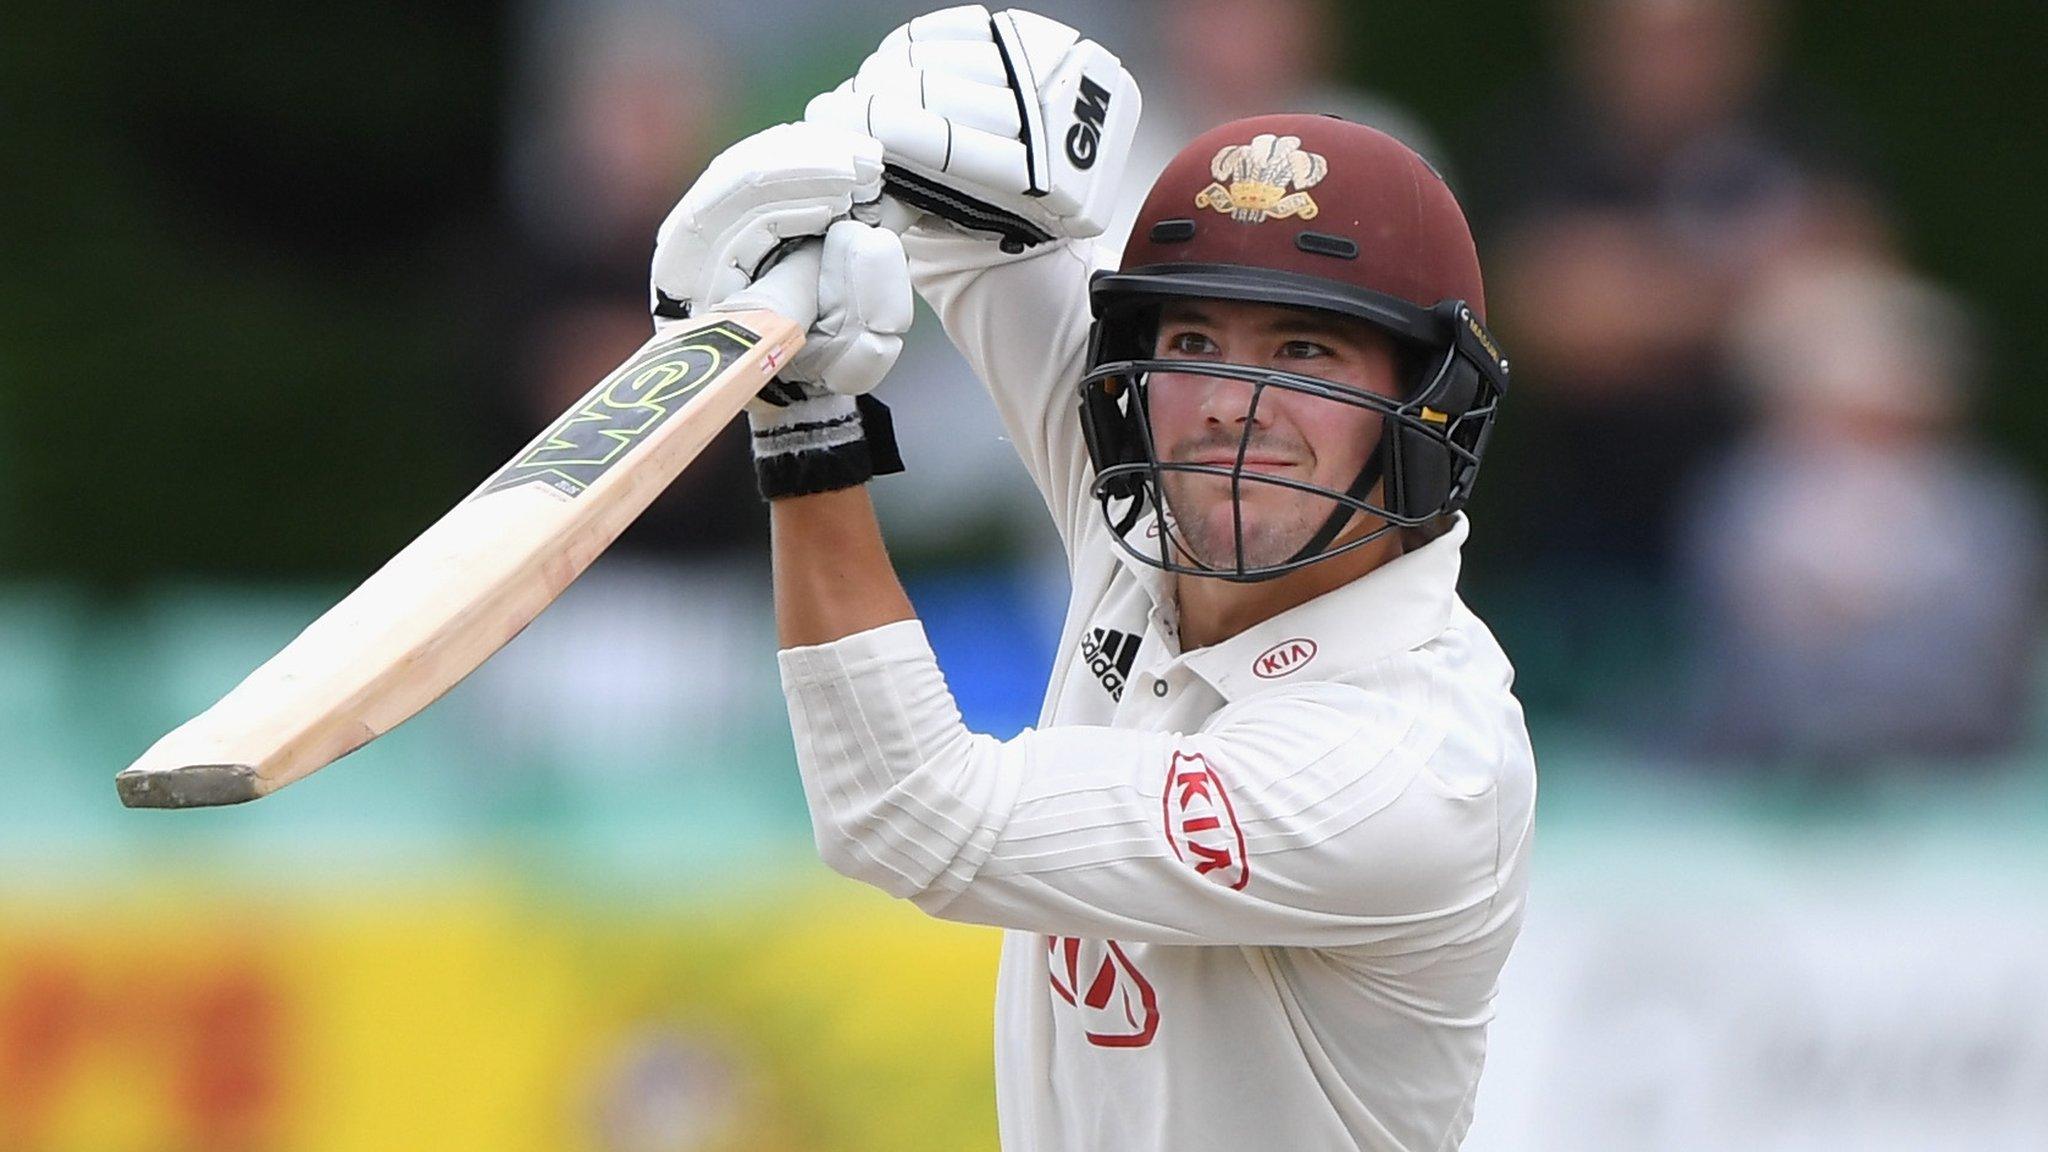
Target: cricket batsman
x=1263 y=858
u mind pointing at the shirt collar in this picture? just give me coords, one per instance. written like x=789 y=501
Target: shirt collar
x=1401 y=605
x=1157 y=582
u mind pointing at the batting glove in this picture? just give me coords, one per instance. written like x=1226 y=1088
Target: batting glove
x=773 y=187
x=815 y=427
x=1010 y=124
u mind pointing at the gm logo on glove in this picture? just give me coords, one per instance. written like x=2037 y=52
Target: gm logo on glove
x=1091 y=108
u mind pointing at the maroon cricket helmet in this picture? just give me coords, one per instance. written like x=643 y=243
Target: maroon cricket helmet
x=1318 y=213
x=1316 y=197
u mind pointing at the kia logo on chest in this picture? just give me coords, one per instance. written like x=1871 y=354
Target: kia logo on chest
x=1285 y=657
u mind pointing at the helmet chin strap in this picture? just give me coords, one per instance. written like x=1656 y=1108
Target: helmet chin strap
x=1341 y=515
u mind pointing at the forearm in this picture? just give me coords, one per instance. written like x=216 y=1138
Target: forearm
x=833 y=577
x=885 y=759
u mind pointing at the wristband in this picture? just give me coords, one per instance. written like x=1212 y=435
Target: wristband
x=807 y=442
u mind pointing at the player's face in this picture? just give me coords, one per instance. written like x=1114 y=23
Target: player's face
x=1199 y=419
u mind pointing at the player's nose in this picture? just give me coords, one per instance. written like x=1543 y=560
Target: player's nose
x=1222 y=400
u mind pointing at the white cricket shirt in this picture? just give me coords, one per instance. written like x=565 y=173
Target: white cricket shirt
x=1258 y=893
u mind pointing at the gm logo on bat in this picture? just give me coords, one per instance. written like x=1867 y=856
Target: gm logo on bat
x=623 y=410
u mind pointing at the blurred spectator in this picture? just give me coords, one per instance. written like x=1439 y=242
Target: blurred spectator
x=1624 y=204
x=616 y=107
x=1867 y=580
x=1220 y=60
x=619 y=106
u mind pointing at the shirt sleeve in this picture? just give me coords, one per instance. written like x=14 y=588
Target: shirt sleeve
x=1308 y=816
x=1022 y=323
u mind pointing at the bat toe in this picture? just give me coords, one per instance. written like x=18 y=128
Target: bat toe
x=191 y=786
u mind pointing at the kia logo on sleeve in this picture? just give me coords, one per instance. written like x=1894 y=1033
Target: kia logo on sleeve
x=1201 y=824
x=1285 y=657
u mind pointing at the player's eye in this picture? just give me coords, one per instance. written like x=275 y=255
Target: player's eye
x=1191 y=343
x=1304 y=350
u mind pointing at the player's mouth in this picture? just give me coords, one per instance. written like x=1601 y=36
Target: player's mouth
x=1252 y=463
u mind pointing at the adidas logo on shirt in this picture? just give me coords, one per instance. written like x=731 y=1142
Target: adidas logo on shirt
x=1110 y=655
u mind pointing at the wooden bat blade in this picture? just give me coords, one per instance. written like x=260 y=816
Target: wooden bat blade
x=472 y=580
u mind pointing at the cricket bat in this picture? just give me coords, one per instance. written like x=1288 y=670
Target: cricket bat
x=471 y=581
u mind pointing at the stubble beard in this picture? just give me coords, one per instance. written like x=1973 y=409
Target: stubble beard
x=1278 y=521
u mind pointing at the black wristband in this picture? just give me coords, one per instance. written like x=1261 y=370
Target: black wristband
x=784 y=468
x=879 y=427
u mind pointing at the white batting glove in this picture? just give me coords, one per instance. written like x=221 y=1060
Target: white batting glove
x=852 y=288
x=759 y=197
x=864 y=310
x=776 y=186
x=1011 y=124
x=815 y=429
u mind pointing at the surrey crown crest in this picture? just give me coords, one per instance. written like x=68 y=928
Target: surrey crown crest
x=1253 y=181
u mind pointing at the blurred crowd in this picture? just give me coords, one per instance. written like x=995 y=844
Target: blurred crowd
x=1739 y=497
x=280 y=283
x=1736 y=508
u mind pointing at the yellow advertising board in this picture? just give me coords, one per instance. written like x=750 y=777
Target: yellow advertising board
x=820 y=1017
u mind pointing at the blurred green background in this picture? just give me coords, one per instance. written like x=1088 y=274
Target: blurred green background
x=278 y=285
x=248 y=267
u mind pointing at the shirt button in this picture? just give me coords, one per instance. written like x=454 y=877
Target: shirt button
x=1159 y=688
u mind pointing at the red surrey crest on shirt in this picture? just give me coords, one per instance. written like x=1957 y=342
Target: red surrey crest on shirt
x=1118 y=1006
x=1201 y=825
